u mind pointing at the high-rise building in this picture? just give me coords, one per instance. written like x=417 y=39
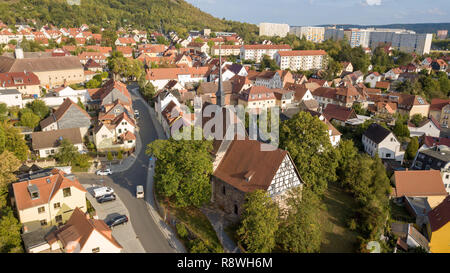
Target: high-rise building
x=270 y=29
x=442 y=34
x=313 y=34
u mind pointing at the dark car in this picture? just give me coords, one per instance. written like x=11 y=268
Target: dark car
x=106 y=198
x=117 y=220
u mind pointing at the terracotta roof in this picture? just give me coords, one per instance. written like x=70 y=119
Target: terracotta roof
x=340 y=113
x=438 y=104
x=128 y=136
x=244 y=158
x=440 y=215
x=51 y=139
x=172 y=73
x=255 y=93
x=79 y=229
x=14 y=79
x=301 y=53
x=325 y=92
x=211 y=87
x=419 y=183
x=261 y=46
x=383 y=84
x=48 y=187
x=126 y=50
x=433 y=141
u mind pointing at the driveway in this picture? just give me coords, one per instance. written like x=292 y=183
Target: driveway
x=124 y=234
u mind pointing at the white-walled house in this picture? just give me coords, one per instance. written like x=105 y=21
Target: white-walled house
x=377 y=139
x=11 y=97
x=159 y=77
x=47 y=143
x=164 y=98
x=373 y=78
x=428 y=127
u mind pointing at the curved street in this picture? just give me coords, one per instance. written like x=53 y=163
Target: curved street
x=124 y=184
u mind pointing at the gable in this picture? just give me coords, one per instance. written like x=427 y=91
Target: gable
x=285 y=178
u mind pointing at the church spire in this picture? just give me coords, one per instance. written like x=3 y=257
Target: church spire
x=220 y=95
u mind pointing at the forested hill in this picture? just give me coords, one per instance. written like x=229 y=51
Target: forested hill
x=418 y=28
x=167 y=15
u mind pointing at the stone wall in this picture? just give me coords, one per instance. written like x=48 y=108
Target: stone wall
x=228 y=200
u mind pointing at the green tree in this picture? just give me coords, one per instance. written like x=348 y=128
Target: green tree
x=416 y=119
x=412 y=148
x=182 y=170
x=93 y=83
x=10 y=240
x=307 y=140
x=67 y=152
x=28 y=118
x=109 y=156
x=11 y=140
x=259 y=223
x=401 y=129
x=3 y=112
x=39 y=108
x=300 y=231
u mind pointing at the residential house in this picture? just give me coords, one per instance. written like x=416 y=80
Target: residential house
x=47 y=143
x=427 y=127
x=226 y=50
x=27 y=83
x=68 y=115
x=269 y=79
x=409 y=236
x=354 y=78
x=199 y=47
x=257 y=97
x=339 y=114
x=163 y=99
x=373 y=78
x=439 y=65
x=377 y=139
x=115 y=134
x=80 y=234
x=384 y=85
x=125 y=41
x=438 y=227
x=159 y=77
x=47 y=199
x=97 y=57
x=284 y=98
x=210 y=88
x=11 y=97
x=414 y=183
x=440 y=110
x=435 y=158
x=347 y=67
x=393 y=74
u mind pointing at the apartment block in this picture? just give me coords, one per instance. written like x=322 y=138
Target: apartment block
x=313 y=34
x=270 y=29
x=257 y=52
x=301 y=59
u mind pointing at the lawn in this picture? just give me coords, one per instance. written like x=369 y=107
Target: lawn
x=334 y=218
x=198 y=224
x=399 y=213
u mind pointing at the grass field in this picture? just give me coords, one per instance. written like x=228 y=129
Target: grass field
x=335 y=216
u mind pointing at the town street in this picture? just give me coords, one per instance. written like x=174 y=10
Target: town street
x=124 y=184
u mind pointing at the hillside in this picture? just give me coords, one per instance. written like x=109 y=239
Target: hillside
x=419 y=28
x=162 y=15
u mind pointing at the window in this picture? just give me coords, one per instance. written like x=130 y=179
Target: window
x=447 y=176
x=57 y=205
x=41 y=210
x=67 y=192
x=235 y=209
x=43 y=222
x=58 y=218
x=388 y=155
x=223 y=190
x=96 y=250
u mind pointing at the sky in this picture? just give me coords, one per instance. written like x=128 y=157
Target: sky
x=318 y=12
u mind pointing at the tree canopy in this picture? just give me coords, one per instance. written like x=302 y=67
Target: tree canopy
x=182 y=170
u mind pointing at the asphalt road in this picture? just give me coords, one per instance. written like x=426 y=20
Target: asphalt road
x=124 y=184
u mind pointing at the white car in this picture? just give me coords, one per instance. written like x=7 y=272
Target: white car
x=140 y=191
x=102 y=191
x=104 y=172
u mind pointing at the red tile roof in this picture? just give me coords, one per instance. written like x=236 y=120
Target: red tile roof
x=419 y=183
x=440 y=215
x=15 y=79
x=47 y=189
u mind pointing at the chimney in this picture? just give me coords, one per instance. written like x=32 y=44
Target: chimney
x=87 y=215
x=18 y=52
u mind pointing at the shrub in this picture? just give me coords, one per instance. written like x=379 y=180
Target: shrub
x=120 y=155
x=109 y=156
x=182 y=231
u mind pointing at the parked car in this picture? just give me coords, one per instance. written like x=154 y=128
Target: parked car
x=104 y=172
x=140 y=191
x=136 y=114
x=106 y=198
x=99 y=192
x=117 y=220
